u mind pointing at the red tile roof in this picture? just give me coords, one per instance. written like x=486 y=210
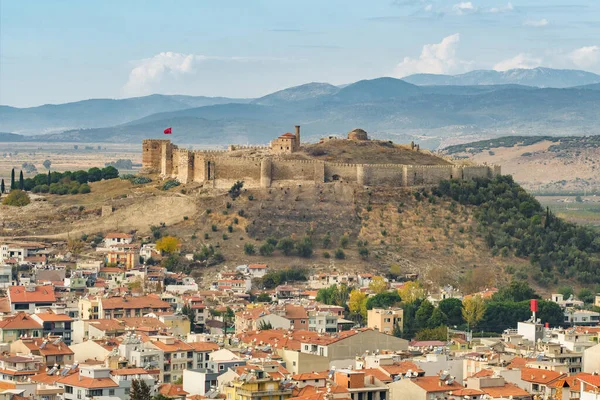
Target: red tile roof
x=41 y=294
x=51 y=316
x=172 y=390
x=129 y=302
x=540 y=376
x=19 y=321
x=77 y=380
x=433 y=384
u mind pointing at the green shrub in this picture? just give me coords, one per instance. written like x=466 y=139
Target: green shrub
x=339 y=254
x=266 y=249
x=17 y=198
x=171 y=183
x=249 y=249
x=213 y=227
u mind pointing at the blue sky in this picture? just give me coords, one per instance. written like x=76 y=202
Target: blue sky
x=66 y=50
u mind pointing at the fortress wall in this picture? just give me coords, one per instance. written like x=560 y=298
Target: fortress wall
x=427 y=174
x=166 y=167
x=340 y=172
x=152 y=155
x=200 y=170
x=185 y=165
x=266 y=172
x=479 y=171
x=293 y=170
x=237 y=168
x=384 y=174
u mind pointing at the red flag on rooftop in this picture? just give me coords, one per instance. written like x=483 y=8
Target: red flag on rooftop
x=168 y=131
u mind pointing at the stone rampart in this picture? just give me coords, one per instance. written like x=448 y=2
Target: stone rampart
x=221 y=168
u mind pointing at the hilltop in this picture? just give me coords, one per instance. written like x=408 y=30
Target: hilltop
x=459 y=233
x=543 y=164
x=369 y=152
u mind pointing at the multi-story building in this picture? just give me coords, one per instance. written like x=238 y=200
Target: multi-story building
x=28 y=298
x=91 y=381
x=89 y=307
x=52 y=350
x=322 y=321
x=55 y=325
x=257 y=385
x=127 y=306
x=5 y=276
x=14 y=327
x=385 y=321
x=178 y=356
x=115 y=239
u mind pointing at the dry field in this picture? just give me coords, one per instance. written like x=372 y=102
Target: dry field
x=64 y=156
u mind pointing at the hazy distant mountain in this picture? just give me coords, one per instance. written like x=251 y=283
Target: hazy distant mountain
x=539 y=77
x=593 y=86
x=95 y=113
x=298 y=93
x=385 y=107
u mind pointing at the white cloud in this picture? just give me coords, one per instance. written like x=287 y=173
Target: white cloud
x=522 y=60
x=465 y=7
x=503 y=9
x=151 y=71
x=536 y=23
x=585 y=57
x=439 y=58
x=428 y=7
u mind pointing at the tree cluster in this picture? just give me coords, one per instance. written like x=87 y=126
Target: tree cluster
x=512 y=221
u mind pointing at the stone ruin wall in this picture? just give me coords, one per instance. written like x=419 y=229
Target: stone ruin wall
x=218 y=168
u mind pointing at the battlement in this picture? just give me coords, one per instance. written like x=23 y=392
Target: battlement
x=221 y=167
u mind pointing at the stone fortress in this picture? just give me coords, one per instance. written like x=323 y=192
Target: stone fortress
x=275 y=165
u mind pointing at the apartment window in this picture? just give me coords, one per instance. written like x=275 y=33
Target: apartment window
x=69 y=389
x=221 y=367
x=111 y=392
x=95 y=392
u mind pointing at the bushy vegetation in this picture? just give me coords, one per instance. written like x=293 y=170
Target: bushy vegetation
x=136 y=179
x=16 y=198
x=275 y=278
x=171 y=183
x=68 y=182
x=510 y=218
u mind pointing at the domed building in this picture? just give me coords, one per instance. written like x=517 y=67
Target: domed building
x=358 y=134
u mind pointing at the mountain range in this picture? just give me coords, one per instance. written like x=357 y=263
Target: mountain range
x=538 y=77
x=385 y=107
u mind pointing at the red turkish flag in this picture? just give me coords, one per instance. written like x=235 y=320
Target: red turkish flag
x=168 y=131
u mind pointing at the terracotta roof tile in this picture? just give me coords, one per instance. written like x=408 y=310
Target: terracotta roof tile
x=433 y=384
x=172 y=390
x=540 y=376
x=127 y=302
x=41 y=294
x=507 y=391
x=77 y=380
x=19 y=321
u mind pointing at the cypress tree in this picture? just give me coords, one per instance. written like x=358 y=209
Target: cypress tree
x=21 y=181
x=12 y=180
x=49 y=178
x=2 y=186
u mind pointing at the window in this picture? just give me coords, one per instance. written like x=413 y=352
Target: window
x=69 y=389
x=221 y=367
x=111 y=392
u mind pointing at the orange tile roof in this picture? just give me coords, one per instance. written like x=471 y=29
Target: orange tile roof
x=287 y=135
x=295 y=312
x=204 y=346
x=77 y=380
x=401 y=368
x=127 y=302
x=172 y=390
x=49 y=349
x=116 y=235
x=310 y=376
x=483 y=373
x=466 y=392
x=277 y=338
x=41 y=294
x=507 y=391
x=540 y=376
x=51 y=316
x=377 y=373
x=19 y=321
x=257 y=266
x=177 y=345
x=589 y=379
x=431 y=384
